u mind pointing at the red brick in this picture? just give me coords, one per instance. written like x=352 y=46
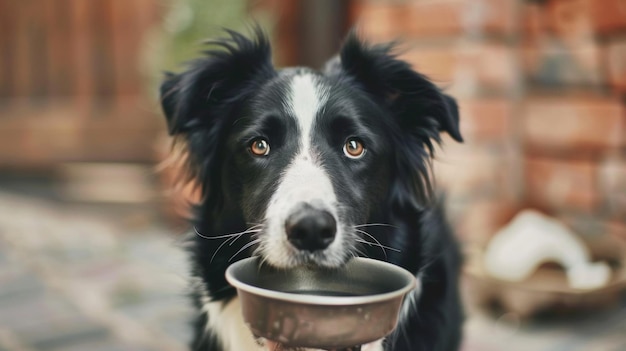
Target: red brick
x=617 y=229
x=557 y=184
x=437 y=62
x=494 y=65
x=436 y=18
x=456 y=17
x=554 y=63
x=382 y=21
x=575 y=18
x=558 y=47
x=616 y=64
x=573 y=123
x=440 y=18
x=465 y=171
x=613 y=185
x=485 y=119
x=481 y=219
x=533 y=21
x=567 y=19
x=467 y=65
x=608 y=16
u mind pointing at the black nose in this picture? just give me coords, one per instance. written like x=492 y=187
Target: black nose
x=311 y=229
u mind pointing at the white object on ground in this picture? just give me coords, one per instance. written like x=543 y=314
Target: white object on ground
x=533 y=238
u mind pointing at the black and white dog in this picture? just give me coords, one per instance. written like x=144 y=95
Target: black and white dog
x=305 y=167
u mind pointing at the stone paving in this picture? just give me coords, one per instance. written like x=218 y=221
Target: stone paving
x=95 y=278
x=77 y=279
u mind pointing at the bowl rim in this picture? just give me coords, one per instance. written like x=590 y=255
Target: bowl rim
x=311 y=299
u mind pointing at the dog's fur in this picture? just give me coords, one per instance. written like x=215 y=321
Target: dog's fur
x=381 y=202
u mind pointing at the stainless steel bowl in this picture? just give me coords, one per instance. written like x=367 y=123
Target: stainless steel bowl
x=321 y=308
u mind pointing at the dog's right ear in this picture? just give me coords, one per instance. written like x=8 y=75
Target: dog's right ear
x=419 y=105
x=420 y=109
x=213 y=85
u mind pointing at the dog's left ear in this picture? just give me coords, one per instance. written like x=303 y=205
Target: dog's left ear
x=420 y=106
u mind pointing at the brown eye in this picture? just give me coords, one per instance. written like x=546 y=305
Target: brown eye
x=353 y=148
x=260 y=147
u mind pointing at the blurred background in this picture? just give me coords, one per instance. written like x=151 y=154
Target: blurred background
x=90 y=217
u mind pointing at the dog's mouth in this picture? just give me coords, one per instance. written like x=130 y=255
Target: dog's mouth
x=289 y=257
x=326 y=258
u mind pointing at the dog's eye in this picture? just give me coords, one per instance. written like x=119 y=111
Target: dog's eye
x=260 y=147
x=353 y=148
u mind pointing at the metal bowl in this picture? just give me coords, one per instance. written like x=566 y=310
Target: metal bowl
x=321 y=308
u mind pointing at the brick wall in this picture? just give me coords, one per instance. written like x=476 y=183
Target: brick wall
x=542 y=91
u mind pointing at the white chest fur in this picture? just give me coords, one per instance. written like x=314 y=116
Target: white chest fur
x=226 y=322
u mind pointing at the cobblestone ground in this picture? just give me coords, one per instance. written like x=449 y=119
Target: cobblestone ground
x=88 y=279
x=78 y=278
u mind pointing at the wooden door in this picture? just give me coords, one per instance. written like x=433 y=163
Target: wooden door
x=71 y=81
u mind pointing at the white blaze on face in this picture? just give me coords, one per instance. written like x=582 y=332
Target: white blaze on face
x=304 y=180
x=307 y=97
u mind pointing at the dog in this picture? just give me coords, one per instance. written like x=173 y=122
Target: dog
x=305 y=167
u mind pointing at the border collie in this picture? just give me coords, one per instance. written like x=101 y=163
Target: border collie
x=306 y=167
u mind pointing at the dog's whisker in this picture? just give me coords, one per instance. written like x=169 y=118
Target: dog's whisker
x=378 y=245
x=262 y=262
x=363 y=254
x=253 y=242
x=199 y=234
x=249 y=230
x=369 y=235
x=240 y=235
x=375 y=225
x=232 y=238
x=375 y=243
x=224 y=288
x=372 y=244
x=219 y=247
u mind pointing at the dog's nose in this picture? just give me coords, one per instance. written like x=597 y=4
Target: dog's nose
x=311 y=229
